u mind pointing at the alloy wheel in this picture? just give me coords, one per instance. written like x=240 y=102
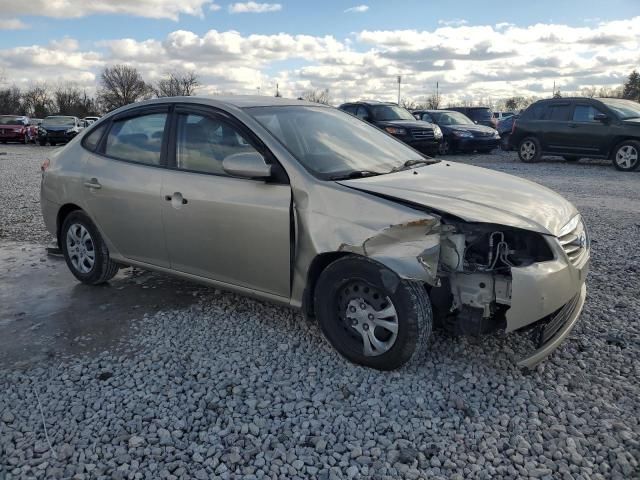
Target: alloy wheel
x=627 y=157
x=527 y=150
x=80 y=248
x=369 y=318
x=443 y=148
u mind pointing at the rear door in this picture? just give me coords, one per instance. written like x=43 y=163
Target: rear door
x=233 y=230
x=587 y=136
x=122 y=184
x=556 y=133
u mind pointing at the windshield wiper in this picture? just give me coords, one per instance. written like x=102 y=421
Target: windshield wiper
x=355 y=174
x=411 y=163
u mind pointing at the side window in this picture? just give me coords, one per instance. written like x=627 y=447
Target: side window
x=138 y=139
x=534 y=112
x=427 y=118
x=204 y=142
x=350 y=109
x=585 y=113
x=557 y=112
x=362 y=112
x=91 y=141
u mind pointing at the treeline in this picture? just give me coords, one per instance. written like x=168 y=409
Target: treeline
x=119 y=85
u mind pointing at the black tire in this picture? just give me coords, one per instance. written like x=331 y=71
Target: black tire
x=413 y=318
x=626 y=156
x=103 y=268
x=42 y=142
x=485 y=150
x=444 y=148
x=570 y=158
x=529 y=150
x=53 y=144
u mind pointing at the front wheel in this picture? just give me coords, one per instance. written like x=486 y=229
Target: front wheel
x=626 y=156
x=529 y=150
x=444 y=148
x=53 y=144
x=370 y=315
x=84 y=250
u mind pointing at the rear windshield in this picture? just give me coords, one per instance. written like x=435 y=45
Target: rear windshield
x=12 y=121
x=54 y=121
x=480 y=114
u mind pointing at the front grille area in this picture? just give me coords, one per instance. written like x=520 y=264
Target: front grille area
x=422 y=133
x=482 y=134
x=574 y=240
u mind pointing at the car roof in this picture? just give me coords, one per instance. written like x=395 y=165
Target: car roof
x=239 y=101
x=370 y=102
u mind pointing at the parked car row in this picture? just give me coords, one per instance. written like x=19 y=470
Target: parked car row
x=577 y=128
x=53 y=129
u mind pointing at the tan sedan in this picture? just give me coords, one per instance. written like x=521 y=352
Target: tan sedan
x=311 y=207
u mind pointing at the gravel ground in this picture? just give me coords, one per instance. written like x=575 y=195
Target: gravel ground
x=235 y=388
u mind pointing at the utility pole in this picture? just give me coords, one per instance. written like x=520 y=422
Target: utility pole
x=553 y=94
x=399 y=81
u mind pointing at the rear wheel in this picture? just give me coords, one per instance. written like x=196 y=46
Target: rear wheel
x=84 y=250
x=444 y=148
x=626 y=156
x=53 y=144
x=42 y=142
x=529 y=150
x=370 y=315
x=570 y=158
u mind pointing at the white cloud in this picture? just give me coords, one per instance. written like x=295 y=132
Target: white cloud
x=12 y=24
x=254 y=7
x=357 y=9
x=469 y=61
x=214 y=7
x=80 y=8
x=456 y=22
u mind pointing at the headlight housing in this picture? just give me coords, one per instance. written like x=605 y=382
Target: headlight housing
x=395 y=130
x=462 y=134
x=41 y=131
x=437 y=133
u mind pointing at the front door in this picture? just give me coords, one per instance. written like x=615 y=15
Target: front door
x=122 y=182
x=232 y=230
x=587 y=136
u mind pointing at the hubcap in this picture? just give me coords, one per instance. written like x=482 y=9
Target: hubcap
x=528 y=150
x=627 y=157
x=369 y=317
x=80 y=248
x=443 y=148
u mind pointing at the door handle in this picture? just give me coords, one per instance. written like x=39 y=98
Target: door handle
x=176 y=199
x=93 y=183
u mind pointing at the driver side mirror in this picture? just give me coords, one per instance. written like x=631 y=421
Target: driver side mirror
x=601 y=117
x=246 y=165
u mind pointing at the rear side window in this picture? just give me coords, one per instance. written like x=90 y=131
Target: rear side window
x=585 y=113
x=427 y=118
x=534 y=112
x=362 y=112
x=137 y=139
x=350 y=109
x=557 y=112
x=480 y=114
x=90 y=142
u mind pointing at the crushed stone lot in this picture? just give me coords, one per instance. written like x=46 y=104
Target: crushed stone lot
x=221 y=386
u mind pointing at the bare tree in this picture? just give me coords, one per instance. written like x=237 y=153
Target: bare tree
x=608 y=92
x=37 y=101
x=177 y=84
x=409 y=103
x=11 y=101
x=589 y=92
x=317 y=96
x=122 y=85
x=433 y=102
x=514 y=104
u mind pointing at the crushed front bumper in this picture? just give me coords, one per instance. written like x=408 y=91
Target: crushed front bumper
x=557 y=329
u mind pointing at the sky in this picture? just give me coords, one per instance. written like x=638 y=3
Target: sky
x=474 y=51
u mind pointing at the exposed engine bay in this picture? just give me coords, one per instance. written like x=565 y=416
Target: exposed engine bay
x=475 y=273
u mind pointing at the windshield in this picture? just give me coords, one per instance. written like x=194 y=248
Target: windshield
x=59 y=121
x=451 y=118
x=480 y=114
x=330 y=143
x=625 y=109
x=391 y=112
x=12 y=121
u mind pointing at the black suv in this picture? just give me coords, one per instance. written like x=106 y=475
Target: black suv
x=580 y=127
x=399 y=122
x=480 y=115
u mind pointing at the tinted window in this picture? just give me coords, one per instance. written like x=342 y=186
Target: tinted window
x=426 y=117
x=534 y=112
x=362 y=112
x=350 y=109
x=204 y=142
x=391 y=112
x=585 y=113
x=138 y=139
x=93 y=138
x=557 y=112
x=479 y=114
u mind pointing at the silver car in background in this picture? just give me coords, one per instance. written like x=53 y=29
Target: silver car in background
x=308 y=206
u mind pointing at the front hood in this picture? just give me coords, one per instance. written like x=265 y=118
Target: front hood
x=476 y=195
x=56 y=128
x=404 y=124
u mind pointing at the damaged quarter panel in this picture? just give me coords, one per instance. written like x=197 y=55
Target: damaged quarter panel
x=339 y=219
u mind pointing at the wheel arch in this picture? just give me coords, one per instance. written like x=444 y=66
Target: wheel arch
x=317 y=266
x=63 y=213
x=615 y=143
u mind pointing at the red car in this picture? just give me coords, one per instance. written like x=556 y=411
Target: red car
x=17 y=128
